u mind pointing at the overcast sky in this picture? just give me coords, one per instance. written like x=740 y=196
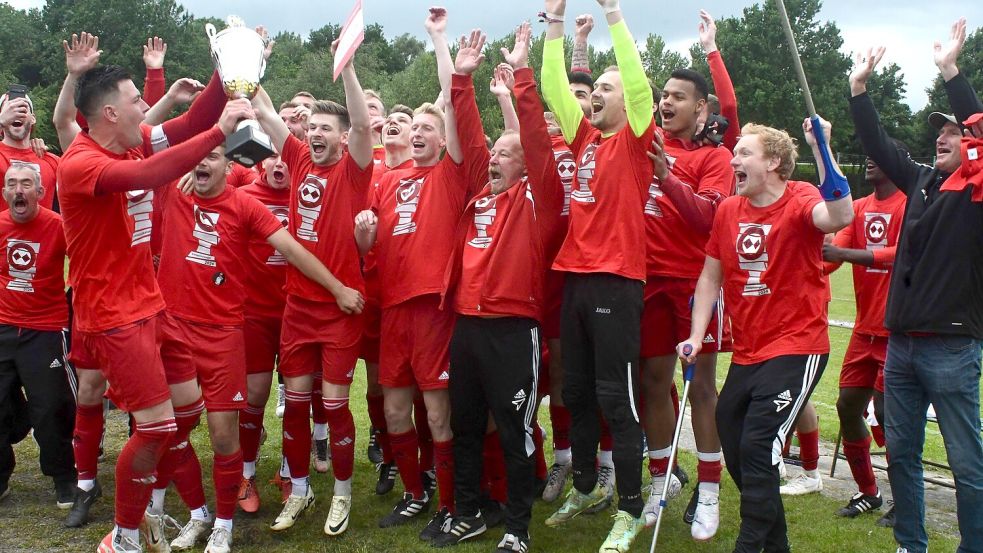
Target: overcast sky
x=907 y=27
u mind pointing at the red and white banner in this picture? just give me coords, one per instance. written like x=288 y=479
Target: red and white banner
x=350 y=38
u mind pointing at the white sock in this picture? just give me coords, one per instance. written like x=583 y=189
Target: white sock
x=713 y=457
x=223 y=523
x=605 y=459
x=712 y=487
x=156 y=506
x=132 y=533
x=284 y=468
x=562 y=456
x=343 y=487
x=299 y=486
x=814 y=474
x=320 y=431
x=86 y=485
x=201 y=513
x=663 y=453
x=248 y=469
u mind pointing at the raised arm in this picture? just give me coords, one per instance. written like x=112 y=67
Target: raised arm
x=436 y=25
x=501 y=85
x=722 y=84
x=204 y=113
x=469 y=130
x=832 y=214
x=554 y=81
x=896 y=164
x=638 y=93
x=349 y=300
x=182 y=92
x=81 y=54
x=269 y=119
x=697 y=207
x=360 y=133
x=153 y=58
x=962 y=97
x=579 y=60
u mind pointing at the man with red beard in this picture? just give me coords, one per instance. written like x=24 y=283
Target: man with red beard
x=690 y=181
x=395 y=136
x=328 y=185
x=411 y=224
x=16 y=123
x=206 y=241
x=265 y=299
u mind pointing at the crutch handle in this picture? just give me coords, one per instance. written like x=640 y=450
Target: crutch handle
x=691 y=367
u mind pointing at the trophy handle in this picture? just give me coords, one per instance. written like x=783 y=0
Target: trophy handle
x=210 y=31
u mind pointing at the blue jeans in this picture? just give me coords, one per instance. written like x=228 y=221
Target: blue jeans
x=943 y=371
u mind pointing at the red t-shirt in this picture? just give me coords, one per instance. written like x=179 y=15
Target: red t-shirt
x=32 y=273
x=876 y=227
x=48 y=166
x=205 y=253
x=323 y=205
x=418 y=210
x=369 y=264
x=108 y=239
x=266 y=268
x=772 y=263
x=606 y=218
x=675 y=248
x=241 y=176
x=566 y=166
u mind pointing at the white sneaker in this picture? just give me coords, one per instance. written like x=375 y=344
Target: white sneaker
x=281 y=400
x=707 y=517
x=337 y=522
x=118 y=543
x=651 y=511
x=152 y=532
x=782 y=470
x=220 y=541
x=556 y=480
x=803 y=484
x=292 y=510
x=190 y=535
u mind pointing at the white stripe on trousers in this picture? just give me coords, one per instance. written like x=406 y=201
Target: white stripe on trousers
x=808 y=377
x=69 y=372
x=531 y=403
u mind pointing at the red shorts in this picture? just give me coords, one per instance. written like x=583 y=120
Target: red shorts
x=214 y=355
x=863 y=364
x=129 y=358
x=262 y=338
x=318 y=337
x=78 y=356
x=415 y=350
x=666 y=317
x=372 y=317
x=553 y=302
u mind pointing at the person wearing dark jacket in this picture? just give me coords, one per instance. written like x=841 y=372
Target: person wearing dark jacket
x=935 y=307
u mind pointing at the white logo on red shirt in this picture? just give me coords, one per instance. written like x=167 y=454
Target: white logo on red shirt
x=875 y=234
x=282 y=213
x=585 y=174
x=22 y=260
x=652 y=208
x=310 y=196
x=752 y=256
x=407 y=202
x=140 y=206
x=566 y=167
x=484 y=217
x=207 y=235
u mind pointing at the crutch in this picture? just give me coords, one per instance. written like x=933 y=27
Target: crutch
x=687 y=379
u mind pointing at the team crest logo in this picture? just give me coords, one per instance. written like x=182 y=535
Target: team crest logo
x=140 y=206
x=282 y=214
x=875 y=234
x=751 y=243
x=752 y=256
x=585 y=174
x=207 y=236
x=310 y=198
x=484 y=216
x=566 y=167
x=652 y=208
x=407 y=202
x=21 y=263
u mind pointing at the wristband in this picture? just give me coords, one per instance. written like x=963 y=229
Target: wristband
x=547 y=17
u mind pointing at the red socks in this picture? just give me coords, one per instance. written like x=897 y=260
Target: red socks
x=180 y=462
x=858 y=456
x=708 y=467
x=250 y=429
x=226 y=473
x=406 y=456
x=444 y=463
x=424 y=439
x=85 y=441
x=317 y=406
x=341 y=424
x=494 y=468
x=560 y=417
x=297 y=433
x=809 y=449
x=135 y=469
x=377 y=415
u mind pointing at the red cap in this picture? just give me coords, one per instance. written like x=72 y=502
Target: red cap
x=970 y=171
x=973 y=119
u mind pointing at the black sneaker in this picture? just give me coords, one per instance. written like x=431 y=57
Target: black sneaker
x=405 y=511
x=493 y=512
x=860 y=504
x=454 y=530
x=437 y=525
x=681 y=475
x=65 y=493
x=887 y=521
x=690 y=513
x=79 y=514
x=429 y=478
x=373 y=451
x=513 y=543
x=387 y=478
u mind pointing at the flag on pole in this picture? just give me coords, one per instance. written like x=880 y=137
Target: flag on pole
x=350 y=38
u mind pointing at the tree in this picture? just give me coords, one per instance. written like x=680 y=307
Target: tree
x=659 y=61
